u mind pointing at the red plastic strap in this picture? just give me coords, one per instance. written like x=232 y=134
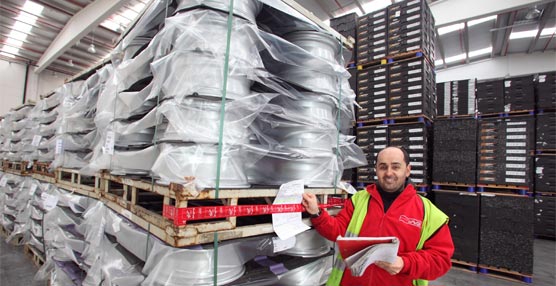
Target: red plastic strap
x=180 y=216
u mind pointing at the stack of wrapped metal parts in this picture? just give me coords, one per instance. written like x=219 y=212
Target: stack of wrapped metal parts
x=267 y=108
x=86 y=243
x=17 y=133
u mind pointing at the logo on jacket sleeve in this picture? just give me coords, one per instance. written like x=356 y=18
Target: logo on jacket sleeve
x=411 y=221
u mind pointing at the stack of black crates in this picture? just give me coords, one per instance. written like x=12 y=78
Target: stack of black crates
x=346 y=25
x=494 y=162
x=395 y=87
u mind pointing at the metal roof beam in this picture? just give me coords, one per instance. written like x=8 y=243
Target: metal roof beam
x=548 y=11
x=78 y=26
x=506 y=42
x=466 y=42
x=444 y=15
x=360 y=7
x=441 y=49
x=494 y=36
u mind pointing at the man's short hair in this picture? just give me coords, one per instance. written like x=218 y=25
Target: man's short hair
x=405 y=155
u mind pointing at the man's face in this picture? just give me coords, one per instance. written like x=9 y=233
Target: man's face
x=391 y=169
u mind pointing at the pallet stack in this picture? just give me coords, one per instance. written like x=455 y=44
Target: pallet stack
x=456 y=98
x=396 y=86
x=545 y=155
x=346 y=25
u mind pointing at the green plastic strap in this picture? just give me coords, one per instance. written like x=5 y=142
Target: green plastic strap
x=338 y=121
x=221 y=128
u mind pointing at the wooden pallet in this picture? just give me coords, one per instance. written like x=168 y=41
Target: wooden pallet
x=456 y=116
x=506 y=114
x=394 y=58
x=42 y=168
x=395 y=120
x=36 y=256
x=466 y=266
x=73 y=181
x=16 y=168
x=459 y=187
x=142 y=203
x=505 y=274
x=504 y=189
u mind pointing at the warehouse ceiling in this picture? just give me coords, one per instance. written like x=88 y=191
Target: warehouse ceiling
x=71 y=36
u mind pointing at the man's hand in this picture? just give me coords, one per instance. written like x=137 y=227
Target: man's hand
x=310 y=203
x=392 y=268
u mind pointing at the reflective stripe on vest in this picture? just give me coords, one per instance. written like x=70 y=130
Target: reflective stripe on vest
x=433 y=219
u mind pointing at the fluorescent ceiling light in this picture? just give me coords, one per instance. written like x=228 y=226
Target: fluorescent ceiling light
x=7 y=55
x=455 y=58
x=524 y=34
x=22 y=27
x=27 y=18
x=14 y=42
x=438 y=62
x=17 y=35
x=10 y=49
x=451 y=28
x=481 y=20
x=33 y=8
x=376 y=5
x=477 y=53
x=548 y=31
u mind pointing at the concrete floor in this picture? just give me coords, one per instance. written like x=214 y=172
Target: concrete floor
x=18 y=269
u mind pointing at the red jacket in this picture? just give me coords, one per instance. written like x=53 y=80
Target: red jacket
x=429 y=263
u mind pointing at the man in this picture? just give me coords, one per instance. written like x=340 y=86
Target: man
x=391 y=207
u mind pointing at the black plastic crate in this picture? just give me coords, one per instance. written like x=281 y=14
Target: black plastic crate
x=545 y=214
x=546 y=131
x=545 y=173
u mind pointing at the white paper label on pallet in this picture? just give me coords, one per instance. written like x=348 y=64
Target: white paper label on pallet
x=516 y=151
x=516 y=144
x=379 y=85
x=413 y=48
x=378 y=35
x=380 y=115
x=36 y=140
x=416 y=138
x=516 y=130
x=414 y=95
x=380 y=139
x=539 y=170
x=417 y=164
x=380 y=78
x=381 y=27
x=517 y=159
x=380 y=147
x=414 y=79
x=414 y=71
x=379 y=131
x=3 y=182
x=382 y=92
x=414 y=40
x=514 y=180
x=379 y=56
x=413 y=25
x=415 y=130
x=511 y=137
x=513 y=123
x=32 y=189
x=379 y=71
x=378 y=42
x=416 y=147
x=378 y=100
x=515 y=173
x=507 y=83
x=287 y=225
x=516 y=166
x=415 y=87
x=381 y=20
x=508 y=107
x=417 y=180
x=413 y=17
x=108 y=147
x=416 y=172
x=413 y=33
x=542 y=78
x=59 y=146
x=127 y=214
x=397 y=14
x=415 y=103
x=416 y=111
x=378 y=14
x=379 y=49
x=418 y=155
x=413 y=2
x=49 y=201
x=380 y=107
x=283 y=244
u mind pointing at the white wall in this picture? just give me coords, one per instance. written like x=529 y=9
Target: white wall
x=12 y=80
x=511 y=65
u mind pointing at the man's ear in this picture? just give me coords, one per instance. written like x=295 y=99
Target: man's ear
x=407 y=171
